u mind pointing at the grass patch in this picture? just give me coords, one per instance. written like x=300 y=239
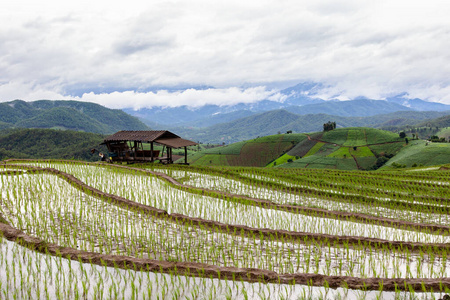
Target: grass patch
x=337 y=136
x=346 y=164
x=294 y=137
x=383 y=149
x=355 y=137
x=376 y=136
x=366 y=162
x=233 y=149
x=444 y=133
x=361 y=152
x=417 y=153
x=282 y=160
x=212 y=159
x=314 y=149
x=342 y=152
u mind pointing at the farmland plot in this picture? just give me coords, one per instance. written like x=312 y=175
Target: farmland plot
x=210 y=231
x=26 y=274
x=153 y=192
x=281 y=197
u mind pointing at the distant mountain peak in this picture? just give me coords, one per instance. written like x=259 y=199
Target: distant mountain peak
x=302 y=99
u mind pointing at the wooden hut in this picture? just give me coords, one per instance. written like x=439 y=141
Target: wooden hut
x=128 y=146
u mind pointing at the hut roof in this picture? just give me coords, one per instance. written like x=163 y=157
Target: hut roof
x=162 y=137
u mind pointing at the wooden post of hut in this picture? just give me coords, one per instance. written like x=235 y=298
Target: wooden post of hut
x=151 y=152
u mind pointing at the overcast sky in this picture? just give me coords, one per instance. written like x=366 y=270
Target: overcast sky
x=146 y=53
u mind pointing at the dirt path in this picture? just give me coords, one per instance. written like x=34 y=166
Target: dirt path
x=356 y=162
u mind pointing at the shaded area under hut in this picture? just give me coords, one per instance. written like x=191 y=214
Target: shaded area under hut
x=138 y=146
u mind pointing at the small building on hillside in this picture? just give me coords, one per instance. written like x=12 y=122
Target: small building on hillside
x=138 y=146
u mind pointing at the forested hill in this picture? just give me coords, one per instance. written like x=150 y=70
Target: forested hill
x=47 y=143
x=438 y=122
x=72 y=115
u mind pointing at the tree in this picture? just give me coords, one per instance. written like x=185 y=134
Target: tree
x=329 y=126
x=436 y=139
x=402 y=135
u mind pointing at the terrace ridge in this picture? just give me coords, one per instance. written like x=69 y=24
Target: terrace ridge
x=355 y=241
x=212 y=271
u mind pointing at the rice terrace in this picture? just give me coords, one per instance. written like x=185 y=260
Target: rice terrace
x=79 y=230
x=225 y=150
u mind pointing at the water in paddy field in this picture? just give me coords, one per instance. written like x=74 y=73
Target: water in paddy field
x=26 y=274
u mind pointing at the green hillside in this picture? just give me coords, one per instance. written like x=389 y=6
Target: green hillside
x=437 y=122
x=343 y=148
x=257 y=152
x=63 y=118
x=444 y=133
x=424 y=128
x=420 y=153
x=47 y=143
x=346 y=149
x=73 y=115
x=4 y=125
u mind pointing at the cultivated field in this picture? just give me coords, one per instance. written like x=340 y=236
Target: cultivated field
x=73 y=230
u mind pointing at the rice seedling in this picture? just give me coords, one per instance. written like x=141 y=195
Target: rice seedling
x=59 y=211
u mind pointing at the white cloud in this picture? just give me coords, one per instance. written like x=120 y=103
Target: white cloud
x=28 y=92
x=355 y=47
x=190 y=97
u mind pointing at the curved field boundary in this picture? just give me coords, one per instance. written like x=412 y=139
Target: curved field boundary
x=358 y=198
x=347 y=146
x=293 y=208
x=361 y=199
x=11 y=172
x=229 y=273
x=310 y=211
x=353 y=241
x=318 y=212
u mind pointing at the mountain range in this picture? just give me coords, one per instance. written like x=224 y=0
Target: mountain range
x=301 y=99
x=300 y=111
x=281 y=121
x=72 y=115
